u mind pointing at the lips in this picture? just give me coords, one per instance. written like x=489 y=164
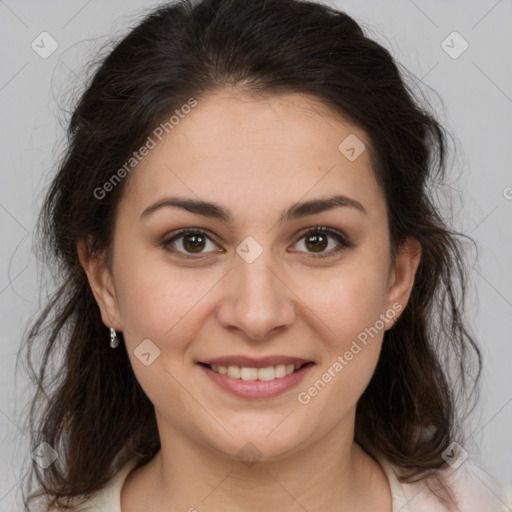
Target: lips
x=269 y=381
x=252 y=362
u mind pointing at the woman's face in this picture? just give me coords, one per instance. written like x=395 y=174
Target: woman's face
x=259 y=283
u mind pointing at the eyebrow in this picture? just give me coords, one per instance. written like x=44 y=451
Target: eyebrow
x=296 y=211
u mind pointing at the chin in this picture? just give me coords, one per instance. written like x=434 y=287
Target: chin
x=264 y=443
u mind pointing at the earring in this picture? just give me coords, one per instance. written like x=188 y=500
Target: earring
x=114 y=342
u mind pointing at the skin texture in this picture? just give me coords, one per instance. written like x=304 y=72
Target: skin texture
x=255 y=157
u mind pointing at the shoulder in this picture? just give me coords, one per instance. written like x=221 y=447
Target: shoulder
x=473 y=490
x=106 y=499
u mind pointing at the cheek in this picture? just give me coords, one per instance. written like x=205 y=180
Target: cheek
x=347 y=306
x=164 y=304
x=352 y=333
x=348 y=299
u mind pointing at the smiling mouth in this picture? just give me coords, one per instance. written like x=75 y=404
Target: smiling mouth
x=266 y=374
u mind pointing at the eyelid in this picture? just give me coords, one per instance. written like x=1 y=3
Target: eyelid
x=343 y=241
x=341 y=237
x=167 y=242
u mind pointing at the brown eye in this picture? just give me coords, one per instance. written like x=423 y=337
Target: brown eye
x=189 y=241
x=194 y=243
x=317 y=240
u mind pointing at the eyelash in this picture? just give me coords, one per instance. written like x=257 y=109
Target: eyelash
x=338 y=235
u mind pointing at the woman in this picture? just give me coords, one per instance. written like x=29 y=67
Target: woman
x=259 y=300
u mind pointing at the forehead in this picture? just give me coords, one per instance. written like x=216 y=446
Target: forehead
x=249 y=152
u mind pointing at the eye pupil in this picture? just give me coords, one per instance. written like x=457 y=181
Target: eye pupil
x=316 y=241
x=315 y=247
x=196 y=241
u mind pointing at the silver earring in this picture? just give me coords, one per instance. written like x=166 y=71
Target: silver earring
x=114 y=342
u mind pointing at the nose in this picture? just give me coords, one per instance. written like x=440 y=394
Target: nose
x=257 y=300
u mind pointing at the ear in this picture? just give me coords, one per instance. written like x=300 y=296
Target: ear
x=100 y=280
x=403 y=272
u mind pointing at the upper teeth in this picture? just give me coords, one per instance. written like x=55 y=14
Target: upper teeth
x=268 y=373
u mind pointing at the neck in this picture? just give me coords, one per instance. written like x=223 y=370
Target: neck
x=330 y=474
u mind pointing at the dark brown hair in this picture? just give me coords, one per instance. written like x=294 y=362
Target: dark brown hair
x=91 y=408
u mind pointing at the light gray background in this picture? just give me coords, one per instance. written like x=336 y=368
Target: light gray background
x=474 y=100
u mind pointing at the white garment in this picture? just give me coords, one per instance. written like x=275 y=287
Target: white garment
x=475 y=490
